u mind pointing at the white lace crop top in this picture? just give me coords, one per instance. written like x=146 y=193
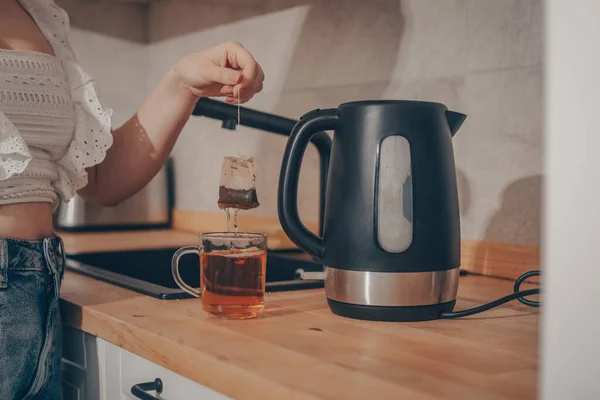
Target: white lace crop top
x=52 y=126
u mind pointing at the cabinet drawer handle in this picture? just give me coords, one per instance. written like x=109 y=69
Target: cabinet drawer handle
x=140 y=390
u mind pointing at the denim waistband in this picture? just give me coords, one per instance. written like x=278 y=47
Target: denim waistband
x=37 y=255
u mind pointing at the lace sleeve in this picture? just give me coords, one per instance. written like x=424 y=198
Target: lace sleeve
x=14 y=154
x=93 y=136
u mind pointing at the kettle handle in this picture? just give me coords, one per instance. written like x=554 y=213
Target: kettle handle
x=287 y=199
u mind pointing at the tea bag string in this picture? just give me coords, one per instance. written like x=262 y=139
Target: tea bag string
x=237 y=127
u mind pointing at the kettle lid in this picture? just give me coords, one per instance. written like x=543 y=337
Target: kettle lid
x=408 y=103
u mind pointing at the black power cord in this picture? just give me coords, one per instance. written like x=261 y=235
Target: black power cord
x=517 y=295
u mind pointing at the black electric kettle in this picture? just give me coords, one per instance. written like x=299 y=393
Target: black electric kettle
x=391 y=237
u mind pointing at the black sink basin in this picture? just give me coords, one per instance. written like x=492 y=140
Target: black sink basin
x=149 y=271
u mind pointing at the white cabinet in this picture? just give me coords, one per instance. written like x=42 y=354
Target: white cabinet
x=94 y=369
x=123 y=370
x=135 y=370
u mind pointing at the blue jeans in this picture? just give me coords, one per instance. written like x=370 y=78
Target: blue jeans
x=30 y=325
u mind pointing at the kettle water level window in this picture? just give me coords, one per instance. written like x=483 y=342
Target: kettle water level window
x=394 y=200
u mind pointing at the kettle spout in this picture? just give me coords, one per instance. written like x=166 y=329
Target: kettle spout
x=455 y=120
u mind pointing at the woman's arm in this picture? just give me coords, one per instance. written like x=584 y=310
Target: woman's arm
x=142 y=145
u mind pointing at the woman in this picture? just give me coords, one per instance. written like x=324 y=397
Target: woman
x=56 y=141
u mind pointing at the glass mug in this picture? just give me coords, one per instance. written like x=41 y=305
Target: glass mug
x=232 y=273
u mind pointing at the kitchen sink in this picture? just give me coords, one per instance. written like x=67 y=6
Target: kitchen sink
x=149 y=271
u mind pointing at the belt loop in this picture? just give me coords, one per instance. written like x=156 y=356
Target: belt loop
x=3 y=264
x=61 y=255
x=49 y=255
x=54 y=252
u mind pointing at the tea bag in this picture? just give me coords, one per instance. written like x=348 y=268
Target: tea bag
x=238 y=183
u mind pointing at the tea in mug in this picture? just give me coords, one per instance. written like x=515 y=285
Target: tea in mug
x=233 y=282
x=233 y=269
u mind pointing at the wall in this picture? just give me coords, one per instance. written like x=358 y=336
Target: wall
x=110 y=41
x=570 y=366
x=481 y=57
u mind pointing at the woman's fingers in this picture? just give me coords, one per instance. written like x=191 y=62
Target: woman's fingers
x=240 y=59
x=250 y=89
x=258 y=82
x=242 y=100
x=252 y=73
x=209 y=74
x=228 y=70
x=226 y=90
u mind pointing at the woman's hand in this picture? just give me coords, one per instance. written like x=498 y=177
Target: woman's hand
x=226 y=70
x=142 y=145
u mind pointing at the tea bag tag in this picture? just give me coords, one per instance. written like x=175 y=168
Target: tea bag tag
x=238 y=183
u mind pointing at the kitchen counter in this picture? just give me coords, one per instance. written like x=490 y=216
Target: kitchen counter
x=298 y=349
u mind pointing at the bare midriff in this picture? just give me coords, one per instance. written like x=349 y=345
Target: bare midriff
x=26 y=221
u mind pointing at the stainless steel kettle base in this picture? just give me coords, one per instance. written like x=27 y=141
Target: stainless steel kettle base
x=391 y=289
x=390 y=314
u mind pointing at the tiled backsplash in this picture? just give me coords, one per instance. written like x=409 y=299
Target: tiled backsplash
x=481 y=57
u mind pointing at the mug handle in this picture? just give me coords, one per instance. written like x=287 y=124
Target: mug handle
x=175 y=269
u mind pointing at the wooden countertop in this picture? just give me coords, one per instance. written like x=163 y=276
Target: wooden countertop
x=298 y=349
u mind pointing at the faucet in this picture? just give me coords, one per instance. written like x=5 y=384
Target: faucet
x=269 y=123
